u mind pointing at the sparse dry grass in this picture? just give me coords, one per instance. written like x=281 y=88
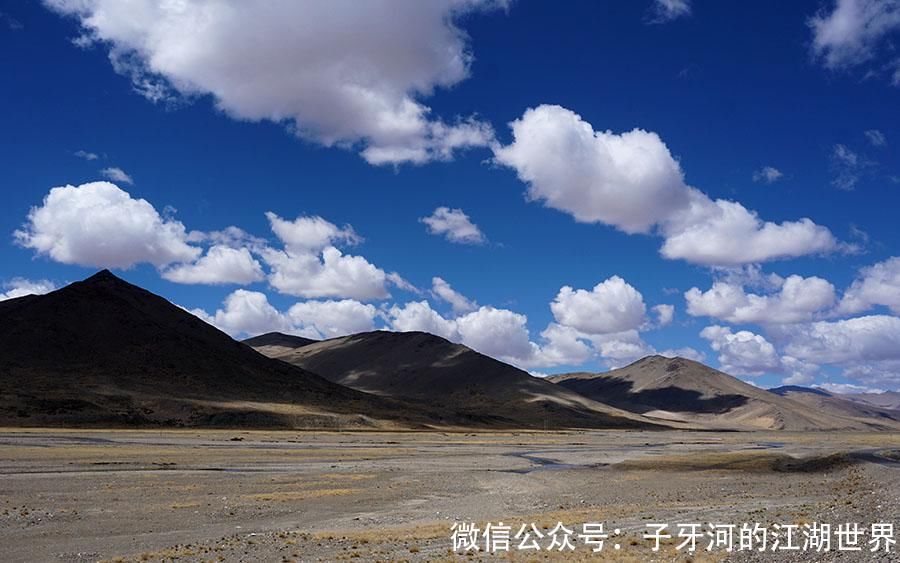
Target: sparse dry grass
x=390 y=533
x=183 y=505
x=348 y=501
x=287 y=496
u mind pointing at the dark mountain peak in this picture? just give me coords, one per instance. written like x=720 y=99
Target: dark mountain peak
x=279 y=339
x=785 y=389
x=103 y=278
x=412 y=338
x=116 y=352
x=103 y=274
x=399 y=335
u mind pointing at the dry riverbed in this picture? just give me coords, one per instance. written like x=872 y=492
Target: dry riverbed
x=187 y=495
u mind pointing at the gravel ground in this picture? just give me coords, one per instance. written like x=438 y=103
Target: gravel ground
x=288 y=496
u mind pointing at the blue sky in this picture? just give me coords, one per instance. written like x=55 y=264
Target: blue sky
x=359 y=125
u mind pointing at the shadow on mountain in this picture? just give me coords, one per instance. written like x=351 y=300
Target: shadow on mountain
x=429 y=370
x=618 y=393
x=786 y=390
x=278 y=339
x=103 y=352
x=686 y=390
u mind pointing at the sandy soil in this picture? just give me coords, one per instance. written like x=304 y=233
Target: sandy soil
x=85 y=495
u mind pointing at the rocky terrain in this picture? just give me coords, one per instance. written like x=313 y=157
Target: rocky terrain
x=214 y=495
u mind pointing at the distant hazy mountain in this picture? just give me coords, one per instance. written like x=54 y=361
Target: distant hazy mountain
x=435 y=371
x=886 y=400
x=681 y=389
x=105 y=352
x=836 y=404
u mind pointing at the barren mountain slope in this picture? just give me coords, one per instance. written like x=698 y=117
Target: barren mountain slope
x=273 y=343
x=105 y=352
x=886 y=400
x=681 y=389
x=435 y=371
x=836 y=404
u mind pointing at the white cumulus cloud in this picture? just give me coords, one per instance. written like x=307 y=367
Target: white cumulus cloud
x=97 y=224
x=798 y=371
x=725 y=233
x=629 y=180
x=562 y=346
x=330 y=273
x=311 y=233
x=499 y=333
x=664 y=314
x=419 y=316
x=311 y=266
x=865 y=348
x=611 y=306
x=20 y=287
x=329 y=319
x=844 y=388
x=632 y=182
x=249 y=313
x=867 y=338
x=246 y=313
x=220 y=265
x=342 y=72
x=621 y=348
x=878 y=284
x=742 y=352
x=797 y=299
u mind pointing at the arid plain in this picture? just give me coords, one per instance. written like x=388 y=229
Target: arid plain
x=206 y=495
x=148 y=435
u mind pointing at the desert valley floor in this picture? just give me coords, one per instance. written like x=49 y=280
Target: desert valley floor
x=206 y=495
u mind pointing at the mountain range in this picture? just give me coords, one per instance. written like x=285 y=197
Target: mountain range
x=841 y=405
x=103 y=352
x=886 y=399
x=425 y=369
x=678 y=389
